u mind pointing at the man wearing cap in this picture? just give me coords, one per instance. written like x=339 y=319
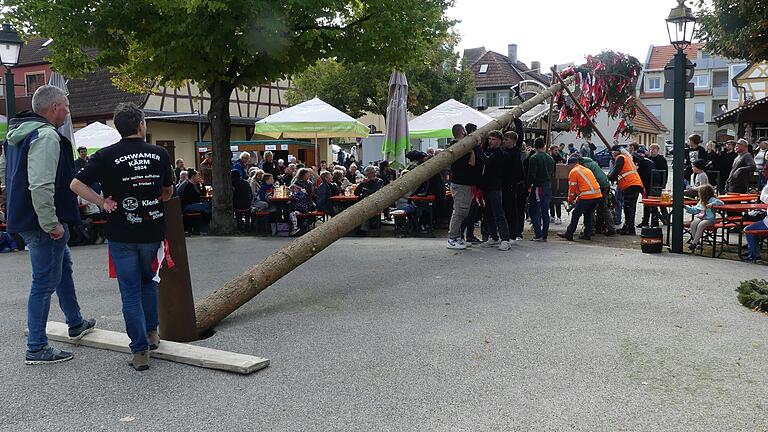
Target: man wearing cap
x=625 y=173
x=742 y=170
x=604 y=218
x=584 y=189
x=82 y=158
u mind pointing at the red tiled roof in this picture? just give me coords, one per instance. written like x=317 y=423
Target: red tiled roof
x=646 y=122
x=502 y=73
x=661 y=55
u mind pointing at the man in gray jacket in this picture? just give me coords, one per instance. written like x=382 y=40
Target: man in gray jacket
x=743 y=169
x=37 y=167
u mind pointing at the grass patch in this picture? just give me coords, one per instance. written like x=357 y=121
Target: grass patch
x=753 y=294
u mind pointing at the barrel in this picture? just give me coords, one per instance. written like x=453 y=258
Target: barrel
x=651 y=240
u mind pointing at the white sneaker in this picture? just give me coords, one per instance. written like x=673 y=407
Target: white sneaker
x=467 y=244
x=456 y=244
x=294 y=231
x=558 y=221
x=519 y=239
x=490 y=243
x=504 y=246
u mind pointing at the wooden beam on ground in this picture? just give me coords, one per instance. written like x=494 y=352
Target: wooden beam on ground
x=173 y=351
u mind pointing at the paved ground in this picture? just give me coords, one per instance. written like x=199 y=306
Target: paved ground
x=384 y=334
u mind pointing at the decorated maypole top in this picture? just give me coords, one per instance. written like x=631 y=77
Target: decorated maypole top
x=607 y=81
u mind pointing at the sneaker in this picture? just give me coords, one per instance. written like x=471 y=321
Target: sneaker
x=154 y=339
x=491 y=243
x=504 y=246
x=565 y=236
x=610 y=233
x=473 y=240
x=140 y=361
x=456 y=244
x=467 y=244
x=584 y=237
x=47 y=355
x=77 y=333
x=558 y=221
x=538 y=239
x=692 y=247
x=518 y=239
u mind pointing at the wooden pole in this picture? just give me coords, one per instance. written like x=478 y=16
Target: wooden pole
x=581 y=108
x=235 y=293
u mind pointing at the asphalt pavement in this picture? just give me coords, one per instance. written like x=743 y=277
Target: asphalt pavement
x=405 y=335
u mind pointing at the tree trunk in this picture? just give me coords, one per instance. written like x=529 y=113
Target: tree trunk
x=235 y=293
x=223 y=222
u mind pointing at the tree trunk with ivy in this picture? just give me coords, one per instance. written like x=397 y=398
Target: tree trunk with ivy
x=235 y=293
x=218 y=115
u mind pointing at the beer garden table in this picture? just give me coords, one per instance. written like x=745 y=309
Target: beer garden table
x=739 y=221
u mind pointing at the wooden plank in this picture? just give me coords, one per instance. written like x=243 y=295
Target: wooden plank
x=173 y=351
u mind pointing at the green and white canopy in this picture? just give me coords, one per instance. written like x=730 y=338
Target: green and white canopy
x=311 y=119
x=437 y=122
x=95 y=136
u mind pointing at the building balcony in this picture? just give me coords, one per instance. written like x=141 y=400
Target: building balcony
x=720 y=91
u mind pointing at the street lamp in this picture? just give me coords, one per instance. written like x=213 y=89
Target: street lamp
x=681 y=25
x=10 y=46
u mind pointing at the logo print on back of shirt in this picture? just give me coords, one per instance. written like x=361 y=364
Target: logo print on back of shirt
x=130 y=204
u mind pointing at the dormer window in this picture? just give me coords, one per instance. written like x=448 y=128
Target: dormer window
x=483 y=68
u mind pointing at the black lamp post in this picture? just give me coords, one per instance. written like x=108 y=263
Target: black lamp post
x=681 y=26
x=10 y=46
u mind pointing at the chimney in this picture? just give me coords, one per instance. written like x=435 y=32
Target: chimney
x=512 y=52
x=536 y=66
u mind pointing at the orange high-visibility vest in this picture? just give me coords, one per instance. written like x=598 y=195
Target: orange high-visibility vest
x=628 y=175
x=582 y=184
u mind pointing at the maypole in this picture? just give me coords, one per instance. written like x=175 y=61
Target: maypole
x=235 y=293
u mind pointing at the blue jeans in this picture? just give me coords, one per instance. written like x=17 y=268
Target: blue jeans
x=201 y=207
x=133 y=265
x=538 y=209
x=51 y=271
x=587 y=208
x=754 y=250
x=619 y=205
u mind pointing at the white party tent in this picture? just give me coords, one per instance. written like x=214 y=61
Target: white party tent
x=95 y=136
x=437 y=122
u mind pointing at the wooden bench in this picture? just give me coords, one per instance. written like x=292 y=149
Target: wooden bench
x=260 y=218
x=310 y=219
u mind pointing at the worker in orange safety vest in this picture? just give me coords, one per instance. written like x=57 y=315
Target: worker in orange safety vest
x=584 y=189
x=631 y=185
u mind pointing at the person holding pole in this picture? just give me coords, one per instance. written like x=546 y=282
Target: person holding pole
x=139 y=179
x=630 y=184
x=583 y=189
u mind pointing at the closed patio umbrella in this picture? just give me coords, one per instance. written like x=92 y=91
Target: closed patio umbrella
x=396 y=138
x=58 y=80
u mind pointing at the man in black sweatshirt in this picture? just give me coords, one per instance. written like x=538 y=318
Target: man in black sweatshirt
x=513 y=184
x=490 y=183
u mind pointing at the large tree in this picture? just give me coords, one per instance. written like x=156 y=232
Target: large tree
x=357 y=88
x=223 y=45
x=735 y=28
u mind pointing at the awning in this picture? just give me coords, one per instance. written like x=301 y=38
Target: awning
x=729 y=117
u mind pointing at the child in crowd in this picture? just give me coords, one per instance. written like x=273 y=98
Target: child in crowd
x=705 y=216
x=301 y=204
x=266 y=190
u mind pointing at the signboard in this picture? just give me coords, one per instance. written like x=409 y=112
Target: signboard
x=270 y=147
x=202 y=149
x=234 y=148
x=283 y=146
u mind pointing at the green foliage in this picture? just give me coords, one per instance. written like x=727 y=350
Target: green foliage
x=242 y=42
x=735 y=28
x=356 y=88
x=753 y=294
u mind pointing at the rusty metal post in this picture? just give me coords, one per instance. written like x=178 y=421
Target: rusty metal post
x=176 y=306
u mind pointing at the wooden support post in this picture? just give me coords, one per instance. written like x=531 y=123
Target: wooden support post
x=549 y=117
x=176 y=306
x=581 y=108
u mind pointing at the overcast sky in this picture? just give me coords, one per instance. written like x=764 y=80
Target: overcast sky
x=577 y=28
